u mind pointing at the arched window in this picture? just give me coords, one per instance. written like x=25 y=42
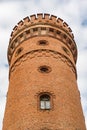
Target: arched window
x=45 y=102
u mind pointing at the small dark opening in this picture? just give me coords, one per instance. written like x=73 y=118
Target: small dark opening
x=65 y=49
x=35 y=29
x=51 y=30
x=21 y=35
x=19 y=51
x=28 y=31
x=58 y=32
x=43 y=42
x=65 y=36
x=44 y=69
x=70 y=42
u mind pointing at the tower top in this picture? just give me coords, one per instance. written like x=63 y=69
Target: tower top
x=35 y=23
x=42 y=77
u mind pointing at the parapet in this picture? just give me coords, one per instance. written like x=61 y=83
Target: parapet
x=51 y=24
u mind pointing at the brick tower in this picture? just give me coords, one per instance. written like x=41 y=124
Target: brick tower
x=43 y=92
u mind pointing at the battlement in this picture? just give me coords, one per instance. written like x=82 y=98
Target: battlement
x=42 y=24
x=42 y=18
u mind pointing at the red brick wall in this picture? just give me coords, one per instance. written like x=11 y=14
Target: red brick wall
x=27 y=83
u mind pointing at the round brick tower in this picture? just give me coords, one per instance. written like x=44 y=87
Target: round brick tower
x=43 y=92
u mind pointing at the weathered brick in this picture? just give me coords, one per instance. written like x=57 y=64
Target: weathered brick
x=26 y=82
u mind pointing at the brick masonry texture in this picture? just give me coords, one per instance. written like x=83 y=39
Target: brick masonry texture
x=26 y=82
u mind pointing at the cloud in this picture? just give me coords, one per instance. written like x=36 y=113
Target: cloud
x=72 y=11
x=2 y=108
x=3 y=90
x=84 y=22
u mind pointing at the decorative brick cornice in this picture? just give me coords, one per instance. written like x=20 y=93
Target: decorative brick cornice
x=35 y=25
x=41 y=53
x=41 y=18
